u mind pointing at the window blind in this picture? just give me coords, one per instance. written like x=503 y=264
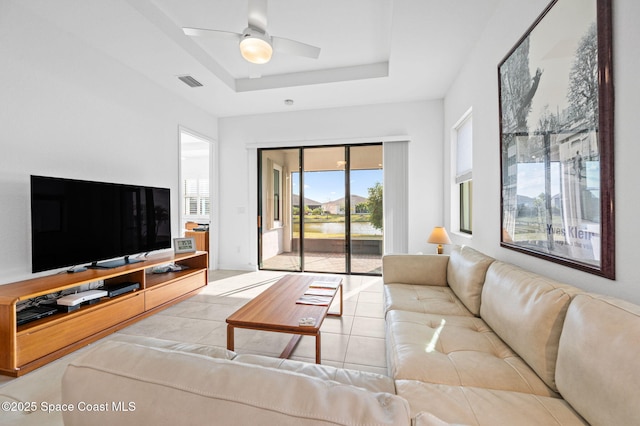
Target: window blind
x=464 y=151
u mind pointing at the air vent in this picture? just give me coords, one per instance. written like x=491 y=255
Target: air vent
x=189 y=81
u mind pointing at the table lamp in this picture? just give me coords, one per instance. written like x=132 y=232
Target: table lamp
x=439 y=236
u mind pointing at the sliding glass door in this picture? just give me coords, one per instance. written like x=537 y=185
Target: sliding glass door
x=279 y=208
x=365 y=177
x=325 y=233
x=320 y=209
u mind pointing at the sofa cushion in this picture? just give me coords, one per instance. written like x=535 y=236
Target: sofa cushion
x=527 y=311
x=428 y=419
x=597 y=371
x=483 y=407
x=169 y=387
x=421 y=269
x=362 y=379
x=193 y=348
x=466 y=272
x=455 y=350
x=424 y=299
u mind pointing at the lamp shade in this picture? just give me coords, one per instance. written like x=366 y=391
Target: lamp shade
x=439 y=236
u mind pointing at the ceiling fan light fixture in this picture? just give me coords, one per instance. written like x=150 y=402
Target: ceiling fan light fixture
x=256 y=47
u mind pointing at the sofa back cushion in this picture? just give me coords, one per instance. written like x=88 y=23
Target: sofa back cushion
x=527 y=311
x=466 y=272
x=598 y=371
x=428 y=269
x=363 y=379
x=171 y=387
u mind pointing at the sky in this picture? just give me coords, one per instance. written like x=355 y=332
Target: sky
x=329 y=186
x=531 y=178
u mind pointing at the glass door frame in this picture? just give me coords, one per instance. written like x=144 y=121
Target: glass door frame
x=346 y=241
x=301 y=171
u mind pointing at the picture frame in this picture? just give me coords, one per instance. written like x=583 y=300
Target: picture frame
x=556 y=108
x=184 y=245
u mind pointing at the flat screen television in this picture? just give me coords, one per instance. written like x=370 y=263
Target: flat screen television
x=75 y=222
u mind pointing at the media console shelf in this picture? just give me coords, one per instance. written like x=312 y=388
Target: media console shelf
x=34 y=344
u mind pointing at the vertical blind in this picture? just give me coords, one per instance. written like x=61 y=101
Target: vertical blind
x=396 y=196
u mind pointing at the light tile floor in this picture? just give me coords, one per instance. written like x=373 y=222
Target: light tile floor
x=355 y=340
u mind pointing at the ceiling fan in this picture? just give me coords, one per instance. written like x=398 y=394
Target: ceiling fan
x=256 y=45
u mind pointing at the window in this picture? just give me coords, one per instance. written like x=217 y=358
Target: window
x=196 y=197
x=463 y=132
x=466 y=189
x=277 y=189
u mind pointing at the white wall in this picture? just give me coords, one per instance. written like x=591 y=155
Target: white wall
x=239 y=136
x=73 y=112
x=477 y=87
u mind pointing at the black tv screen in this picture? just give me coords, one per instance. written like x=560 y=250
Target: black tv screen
x=75 y=222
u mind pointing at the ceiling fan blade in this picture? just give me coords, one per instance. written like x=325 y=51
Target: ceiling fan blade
x=293 y=47
x=201 y=32
x=258 y=14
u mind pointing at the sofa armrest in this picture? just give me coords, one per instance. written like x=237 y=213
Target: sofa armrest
x=421 y=269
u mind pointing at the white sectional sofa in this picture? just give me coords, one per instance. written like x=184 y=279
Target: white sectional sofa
x=470 y=340
x=179 y=384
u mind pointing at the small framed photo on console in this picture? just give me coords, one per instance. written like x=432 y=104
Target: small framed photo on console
x=184 y=245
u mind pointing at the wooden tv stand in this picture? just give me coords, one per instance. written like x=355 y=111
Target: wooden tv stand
x=34 y=344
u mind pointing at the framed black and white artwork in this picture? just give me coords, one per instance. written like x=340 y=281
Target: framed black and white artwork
x=556 y=138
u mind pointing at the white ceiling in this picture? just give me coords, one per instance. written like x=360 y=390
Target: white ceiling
x=373 y=51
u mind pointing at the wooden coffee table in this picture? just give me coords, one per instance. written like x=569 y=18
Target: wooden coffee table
x=276 y=310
